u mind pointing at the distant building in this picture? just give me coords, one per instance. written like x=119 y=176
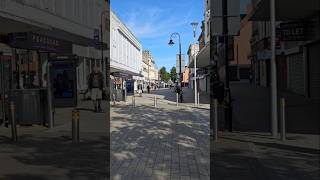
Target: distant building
x=193 y=49
x=240 y=65
x=178 y=63
x=149 y=69
x=203 y=56
x=185 y=77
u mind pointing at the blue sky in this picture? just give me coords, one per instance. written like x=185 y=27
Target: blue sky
x=153 y=21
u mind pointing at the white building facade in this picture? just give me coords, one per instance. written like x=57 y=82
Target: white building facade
x=125 y=56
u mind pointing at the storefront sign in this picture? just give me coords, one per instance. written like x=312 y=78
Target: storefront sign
x=292 y=31
x=35 y=41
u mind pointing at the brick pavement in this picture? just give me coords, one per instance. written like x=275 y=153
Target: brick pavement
x=49 y=154
x=166 y=142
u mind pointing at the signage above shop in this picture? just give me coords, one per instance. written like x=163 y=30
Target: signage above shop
x=35 y=41
x=292 y=31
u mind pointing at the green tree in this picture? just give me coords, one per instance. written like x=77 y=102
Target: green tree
x=173 y=74
x=164 y=75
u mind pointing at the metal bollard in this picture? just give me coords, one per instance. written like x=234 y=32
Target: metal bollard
x=133 y=101
x=114 y=99
x=155 y=101
x=215 y=103
x=75 y=125
x=177 y=97
x=13 y=123
x=283 y=118
x=198 y=98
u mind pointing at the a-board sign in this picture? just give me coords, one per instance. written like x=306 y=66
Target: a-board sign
x=63 y=81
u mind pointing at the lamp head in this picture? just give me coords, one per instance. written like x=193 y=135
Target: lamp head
x=194 y=25
x=171 y=42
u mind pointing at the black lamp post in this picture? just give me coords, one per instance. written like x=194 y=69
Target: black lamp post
x=174 y=35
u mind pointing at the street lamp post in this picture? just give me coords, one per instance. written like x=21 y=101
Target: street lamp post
x=173 y=35
x=194 y=27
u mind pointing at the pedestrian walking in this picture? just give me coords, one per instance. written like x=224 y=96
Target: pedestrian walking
x=179 y=91
x=148 y=88
x=95 y=83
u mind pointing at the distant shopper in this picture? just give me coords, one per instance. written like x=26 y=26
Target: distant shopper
x=148 y=88
x=179 y=91
x=95 y=83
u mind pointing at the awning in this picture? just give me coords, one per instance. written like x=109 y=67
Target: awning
x=13 y=24
x=125 y=74
x=286 y=10
x=203 y=57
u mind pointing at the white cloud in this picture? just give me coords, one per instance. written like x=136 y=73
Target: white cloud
x=151 y=22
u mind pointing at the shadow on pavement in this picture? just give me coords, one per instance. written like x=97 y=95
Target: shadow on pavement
x=251 y=110
x=266 y=161
x=155 y=135
x=188 y=95
x=55 y=157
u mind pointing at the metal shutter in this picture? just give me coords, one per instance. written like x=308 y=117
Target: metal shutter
x=296 y=73
x=314 y=55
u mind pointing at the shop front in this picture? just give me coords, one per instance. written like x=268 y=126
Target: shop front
x=29 y=77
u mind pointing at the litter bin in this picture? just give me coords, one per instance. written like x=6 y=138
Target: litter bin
x=31 y=106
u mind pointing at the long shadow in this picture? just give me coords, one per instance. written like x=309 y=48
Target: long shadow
x=188 y=95
x=251 y=110
x=150 y=130
x=269 y=166
x=85 y=160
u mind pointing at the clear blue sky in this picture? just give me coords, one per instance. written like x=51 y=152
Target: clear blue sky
x=153 y=21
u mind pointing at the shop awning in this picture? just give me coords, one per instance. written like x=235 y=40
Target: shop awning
x=203 y=57
x=14 y=24
x=124 y=74
x=286 y=10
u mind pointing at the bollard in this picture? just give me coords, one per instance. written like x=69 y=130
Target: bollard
x=155 y=101
x=198 y=98
x=75 y=125
x=283 y=118
x=177 y=97
x=114 y=99
x=13 y=123
x=133 y=101
x=215 y=102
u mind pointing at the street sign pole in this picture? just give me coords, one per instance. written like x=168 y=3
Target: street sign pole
x=274 y=105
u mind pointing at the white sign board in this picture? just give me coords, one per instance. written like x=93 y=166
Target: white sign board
x=233 y=17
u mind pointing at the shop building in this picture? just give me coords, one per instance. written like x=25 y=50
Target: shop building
x=240 y=65
x=298 y=37
x=203 y=59
x=31 y=32
x=126 y=57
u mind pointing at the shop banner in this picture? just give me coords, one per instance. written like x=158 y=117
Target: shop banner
x=33 y=41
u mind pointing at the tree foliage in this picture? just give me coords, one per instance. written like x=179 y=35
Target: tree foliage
x=164 y=75
x=173 y=74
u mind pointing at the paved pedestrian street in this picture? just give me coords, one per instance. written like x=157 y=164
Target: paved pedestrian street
x=163 y=142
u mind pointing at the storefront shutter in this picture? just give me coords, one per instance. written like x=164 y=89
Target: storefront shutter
x=314 y=55
x=296 y=73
